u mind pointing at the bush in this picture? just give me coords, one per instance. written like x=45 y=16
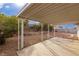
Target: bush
x=8 y=26
x=2 y=40
x=38 y=27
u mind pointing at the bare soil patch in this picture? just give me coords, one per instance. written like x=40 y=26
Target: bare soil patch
x=10 y=48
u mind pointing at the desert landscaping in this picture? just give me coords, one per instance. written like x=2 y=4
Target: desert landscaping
x=10 y=47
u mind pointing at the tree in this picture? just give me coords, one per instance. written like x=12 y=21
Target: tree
x=38 y=27
x=8 y=26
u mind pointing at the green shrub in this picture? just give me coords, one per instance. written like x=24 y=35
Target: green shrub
x=8 y=26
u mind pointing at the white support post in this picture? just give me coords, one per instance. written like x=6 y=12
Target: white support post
x=54 y=31
x=18 y=34
x=78 y=32
x=48 y=36
x=41 y=32
x=22 y=33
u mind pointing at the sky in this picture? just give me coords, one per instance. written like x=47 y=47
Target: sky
x=13 y=1
x=68 y=26
x=11 y=9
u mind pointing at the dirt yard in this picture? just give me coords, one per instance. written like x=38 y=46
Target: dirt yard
x=10 y=48
x=31 y=38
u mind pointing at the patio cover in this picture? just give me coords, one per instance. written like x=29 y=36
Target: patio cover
x=51 y=13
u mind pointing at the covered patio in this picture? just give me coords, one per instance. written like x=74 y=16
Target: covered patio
x=52 y=13
x=52 y=47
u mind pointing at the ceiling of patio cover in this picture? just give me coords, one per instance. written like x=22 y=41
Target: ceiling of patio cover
x=52 y=13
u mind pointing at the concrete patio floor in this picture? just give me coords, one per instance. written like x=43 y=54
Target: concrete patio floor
x=53 y=47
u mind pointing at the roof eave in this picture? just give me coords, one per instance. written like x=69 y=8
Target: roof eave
x=23 y=9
